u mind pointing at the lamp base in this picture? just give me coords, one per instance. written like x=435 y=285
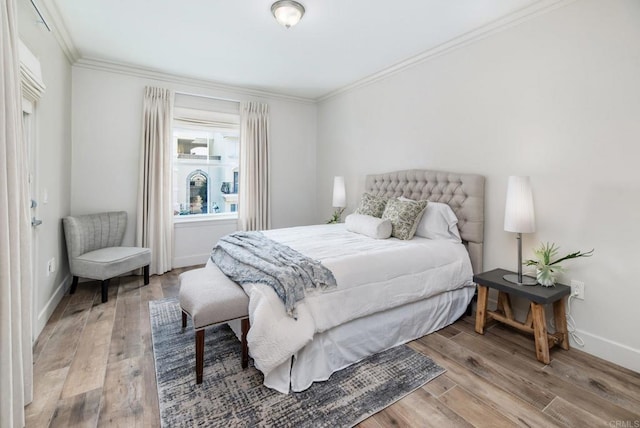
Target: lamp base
x=526 y=280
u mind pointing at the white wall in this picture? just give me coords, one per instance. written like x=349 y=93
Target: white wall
x=556 y=98
x=107 y=120
x=53 y=134
x=195 y=239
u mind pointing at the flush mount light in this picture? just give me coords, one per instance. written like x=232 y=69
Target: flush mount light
x=287 y=12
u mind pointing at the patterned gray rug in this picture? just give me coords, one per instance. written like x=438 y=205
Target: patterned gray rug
x=231 y=397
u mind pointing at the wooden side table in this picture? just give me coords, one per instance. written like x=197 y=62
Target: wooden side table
x=535 y=323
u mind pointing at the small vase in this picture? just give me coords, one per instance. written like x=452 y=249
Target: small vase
x=545 y=276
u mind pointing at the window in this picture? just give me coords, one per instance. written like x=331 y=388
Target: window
x=205 y=164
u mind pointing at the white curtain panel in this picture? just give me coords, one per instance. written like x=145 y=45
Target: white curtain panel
x=16 y=372
x=253 y=193
x=155 y=212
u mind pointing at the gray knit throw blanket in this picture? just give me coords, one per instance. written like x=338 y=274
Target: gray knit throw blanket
x=251 y=257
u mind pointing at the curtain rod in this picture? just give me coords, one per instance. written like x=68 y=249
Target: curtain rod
x=33 y=3
x=207 y=96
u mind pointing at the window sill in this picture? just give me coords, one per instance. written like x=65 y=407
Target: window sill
x=198 y=218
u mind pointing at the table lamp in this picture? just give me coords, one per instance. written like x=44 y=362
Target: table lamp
x=519 y=217
x=339 y=198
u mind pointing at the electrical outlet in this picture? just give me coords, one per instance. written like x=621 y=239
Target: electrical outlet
x=577 y=289
x=51 y=266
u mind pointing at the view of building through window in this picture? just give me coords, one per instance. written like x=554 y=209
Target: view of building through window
x=205 y=170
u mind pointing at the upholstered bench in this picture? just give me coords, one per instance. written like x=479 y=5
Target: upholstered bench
x=209 y=297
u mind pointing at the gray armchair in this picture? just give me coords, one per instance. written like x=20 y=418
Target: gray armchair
x=95 y=252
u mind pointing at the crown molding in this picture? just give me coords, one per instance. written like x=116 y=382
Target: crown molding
x=499 y=25
x=73 y=55
x=59 y=30
x=147 y=73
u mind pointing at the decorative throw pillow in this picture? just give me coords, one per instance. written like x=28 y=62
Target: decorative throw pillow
x=371 y=205
x=438 y=222
x=404 y=215
x=370 y=226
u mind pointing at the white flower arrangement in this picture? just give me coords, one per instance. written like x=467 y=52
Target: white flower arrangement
x=546 y=269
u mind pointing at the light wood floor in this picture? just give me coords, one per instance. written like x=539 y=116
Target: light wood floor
x=94 y=367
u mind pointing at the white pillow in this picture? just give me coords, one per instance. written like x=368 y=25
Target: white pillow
x=438 y=222
x=373 y=227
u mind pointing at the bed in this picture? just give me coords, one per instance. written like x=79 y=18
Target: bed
x=389 y=291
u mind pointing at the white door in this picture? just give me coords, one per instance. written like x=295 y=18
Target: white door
x=29 y=140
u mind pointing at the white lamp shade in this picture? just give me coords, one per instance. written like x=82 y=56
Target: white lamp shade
x=339 y=193
x=519 y=215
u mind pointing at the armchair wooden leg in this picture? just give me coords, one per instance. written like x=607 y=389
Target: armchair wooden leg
x=146 y=275
x=74 y=285
x=245 y=348
x=105 y=291
x=199 y=355
x=184 y=319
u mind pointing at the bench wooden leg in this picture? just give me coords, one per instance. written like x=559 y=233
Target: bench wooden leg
x=560 y=318
x=199 y=355
x=146 y=274
x=540 y=333
x=481 y=308
x=504 y=305
x=245 y=348
x=184 y=320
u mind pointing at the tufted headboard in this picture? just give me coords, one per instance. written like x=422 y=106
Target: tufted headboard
x=464 y=193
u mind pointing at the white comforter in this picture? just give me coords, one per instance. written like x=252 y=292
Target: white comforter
x=372 y=276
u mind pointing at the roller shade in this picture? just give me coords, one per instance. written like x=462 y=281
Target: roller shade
x=30 y=74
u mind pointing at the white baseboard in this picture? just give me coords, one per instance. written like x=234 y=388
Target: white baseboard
x=51 y=306
x=609 y=350
x=191 y=260
x=598 y=346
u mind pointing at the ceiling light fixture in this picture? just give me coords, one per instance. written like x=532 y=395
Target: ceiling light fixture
x=287 y=12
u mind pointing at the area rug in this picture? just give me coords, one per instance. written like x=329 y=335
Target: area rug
x=232 y=397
